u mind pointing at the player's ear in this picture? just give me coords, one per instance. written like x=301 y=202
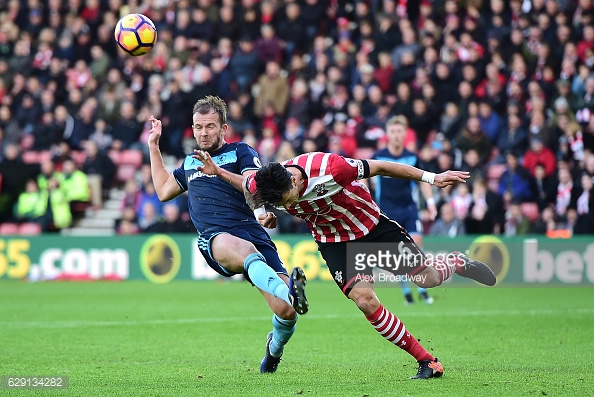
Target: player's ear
x=224 y=129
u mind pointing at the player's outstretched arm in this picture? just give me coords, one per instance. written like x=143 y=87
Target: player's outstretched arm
x=396 y=170
x=165 y=184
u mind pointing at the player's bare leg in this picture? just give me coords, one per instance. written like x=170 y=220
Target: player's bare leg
x=238 y=255
x=393 y=330
x=285 y=297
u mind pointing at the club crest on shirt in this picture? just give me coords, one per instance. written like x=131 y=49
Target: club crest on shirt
x=320 y=189
x=338 y=277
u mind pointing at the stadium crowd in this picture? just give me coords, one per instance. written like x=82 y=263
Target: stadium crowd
x=503 y=89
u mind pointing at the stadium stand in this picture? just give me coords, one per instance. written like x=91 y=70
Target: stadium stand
x=523 y=69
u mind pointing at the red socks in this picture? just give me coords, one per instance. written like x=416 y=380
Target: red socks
x=445 y=266
x=391 y=328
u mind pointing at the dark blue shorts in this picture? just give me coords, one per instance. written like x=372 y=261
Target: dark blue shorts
x=260 y=239
x=408 y=218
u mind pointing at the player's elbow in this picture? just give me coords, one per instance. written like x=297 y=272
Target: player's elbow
x=163 y=195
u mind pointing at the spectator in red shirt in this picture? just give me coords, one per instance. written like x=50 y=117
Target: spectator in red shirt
x=539 y=153
x=586 y=43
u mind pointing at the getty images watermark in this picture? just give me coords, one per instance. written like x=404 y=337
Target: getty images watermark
x=388 y=264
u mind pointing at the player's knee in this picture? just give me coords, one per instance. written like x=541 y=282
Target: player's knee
x=245 y=249
x=366 y=300
x=286 y=312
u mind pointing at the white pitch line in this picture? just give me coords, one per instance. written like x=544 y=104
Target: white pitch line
x=173 y=321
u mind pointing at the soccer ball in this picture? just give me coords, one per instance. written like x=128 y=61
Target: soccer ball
x=135 y=34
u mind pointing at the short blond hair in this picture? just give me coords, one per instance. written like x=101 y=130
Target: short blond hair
x=399 y=120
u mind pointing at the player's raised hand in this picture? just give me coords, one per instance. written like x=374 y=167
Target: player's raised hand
x=155 y=132
x=209 y=167
x=448 y=178
x=267 y=220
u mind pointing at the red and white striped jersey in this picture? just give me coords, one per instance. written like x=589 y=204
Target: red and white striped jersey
x=334 y=204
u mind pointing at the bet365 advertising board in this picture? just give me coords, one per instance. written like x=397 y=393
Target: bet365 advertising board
x=163 y=258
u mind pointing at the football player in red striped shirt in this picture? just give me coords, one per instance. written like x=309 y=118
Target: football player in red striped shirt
x=325 y=190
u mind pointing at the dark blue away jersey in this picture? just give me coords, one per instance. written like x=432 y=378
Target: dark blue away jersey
x=393 y=194
x=215 y=204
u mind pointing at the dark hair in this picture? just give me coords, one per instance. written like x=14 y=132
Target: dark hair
x=272 y=182
x=209 y=103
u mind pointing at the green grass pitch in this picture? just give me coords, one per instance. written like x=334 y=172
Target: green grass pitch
x=207 y=339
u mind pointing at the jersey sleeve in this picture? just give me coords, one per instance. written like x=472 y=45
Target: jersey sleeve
x=180 y=177
x=247 y=158
x=346 y=170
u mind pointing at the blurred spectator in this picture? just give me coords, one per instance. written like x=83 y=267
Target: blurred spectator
x=245 y=64
x=564 y=91
x=516 y=182
x=513 y=138
x=132 y=195
x=109 y=107
x=571 y=143
x=539 y=129
x=74 y=182
x=451 y=122
x=564 y=192
x=84 y=125
x=461 y=200
x=274 y=90
x=582 y=202
x=10 y=126
x=268 y=46
x=170 y=223
x=545 y=187
x=472 y=164
x=299 y=104
x=57 y=214
x=486 y=212
x=48 y=171
x=14 y=174
x=237 y=120
x=447 y=225
x=101 y=136
x=148 y=218
x=473 y=137
x=515 y=222
x=148 y=195
x=127 y=228
x=228 y=23
x=294 y=134
x=545 y=222
x=490 y=121
x=127 y=129
x=75 y=186
x=30 y=206
x=539 y=154
x=100 y=171
x=174 y=122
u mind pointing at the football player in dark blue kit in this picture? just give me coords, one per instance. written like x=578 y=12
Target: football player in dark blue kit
x=395 y=196
x=229 y=236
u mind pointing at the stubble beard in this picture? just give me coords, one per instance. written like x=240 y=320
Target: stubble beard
x=212 y=146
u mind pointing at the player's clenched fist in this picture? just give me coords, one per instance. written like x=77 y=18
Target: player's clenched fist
x=155 y=132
